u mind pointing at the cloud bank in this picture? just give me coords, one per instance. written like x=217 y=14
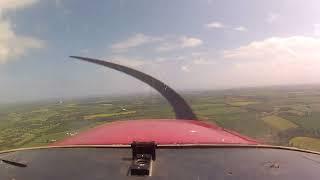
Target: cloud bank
x=15 y=4
x=275 y=60
x=160 y=43
x=12 y=45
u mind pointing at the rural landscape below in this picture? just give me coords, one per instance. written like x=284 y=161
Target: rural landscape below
x=284 y=115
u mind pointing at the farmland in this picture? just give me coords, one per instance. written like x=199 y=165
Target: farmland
x=279 y=123
x=305 y=142
x=96 y=116
x=288 y=116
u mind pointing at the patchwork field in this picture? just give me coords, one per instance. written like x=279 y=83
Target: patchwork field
x=96 y=116
x=306 y=143
x=279 y=123
x=275 y=115
x=242 y=103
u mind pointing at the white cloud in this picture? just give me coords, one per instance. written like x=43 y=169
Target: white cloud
x=275 y=60
x=163 y=59
x=127 y=61
x=185 y=68
x=190 y=42
x=272 y=17
x=297 y=47
x=215 y=24
x=180 y=43
x=316 y=29
x=203 y=61
x=160 y=43
x=134 y=41
x=271 y=61
x=166 y=46
x=219 y=25
x=12 y=45
x=15 y=4
x=240 y=28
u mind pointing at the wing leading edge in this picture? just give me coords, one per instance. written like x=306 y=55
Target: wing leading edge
x=181 y=108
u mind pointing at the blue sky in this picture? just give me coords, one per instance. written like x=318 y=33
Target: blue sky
x=189 y=44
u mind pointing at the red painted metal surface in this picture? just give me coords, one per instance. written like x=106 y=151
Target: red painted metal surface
x=161 y=131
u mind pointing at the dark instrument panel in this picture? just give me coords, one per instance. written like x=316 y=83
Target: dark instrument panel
x=170 y=163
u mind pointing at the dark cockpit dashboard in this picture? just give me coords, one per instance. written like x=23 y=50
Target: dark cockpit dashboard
x=170 y=162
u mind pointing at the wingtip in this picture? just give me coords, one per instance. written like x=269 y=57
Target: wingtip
x=182 y=111
x=78 y=57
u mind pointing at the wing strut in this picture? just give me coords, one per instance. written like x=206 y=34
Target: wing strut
x=181 y=108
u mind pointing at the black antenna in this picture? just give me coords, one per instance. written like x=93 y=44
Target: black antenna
x=179 y=105
x=13 y=163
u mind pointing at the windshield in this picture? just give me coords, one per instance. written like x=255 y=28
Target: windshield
x=250 y=67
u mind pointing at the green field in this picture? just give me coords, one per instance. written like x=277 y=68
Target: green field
x=271 y=115
x=279 y=123
x=306 y=143
x=96 y=116
x=242 y=103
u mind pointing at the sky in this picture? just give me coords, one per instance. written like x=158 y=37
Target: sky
x=189 y=44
